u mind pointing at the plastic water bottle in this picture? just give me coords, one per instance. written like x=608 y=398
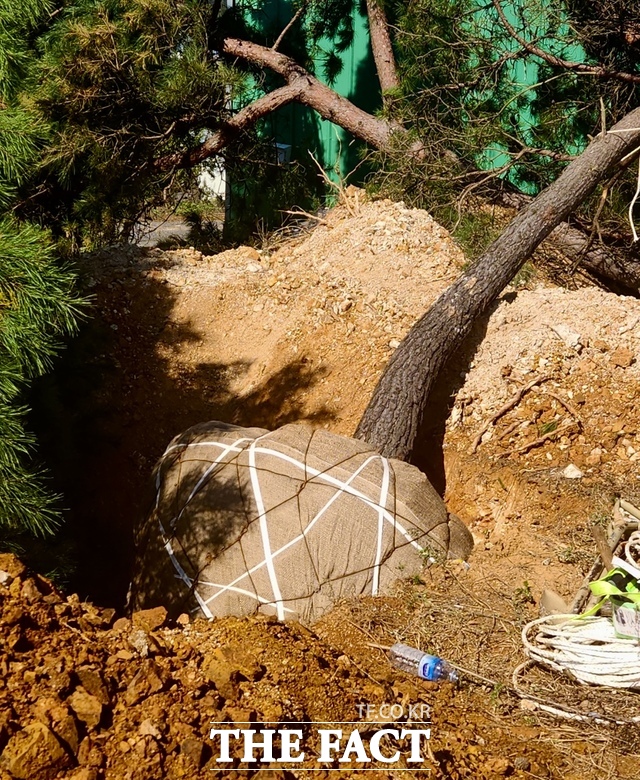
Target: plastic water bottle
x=414 y=661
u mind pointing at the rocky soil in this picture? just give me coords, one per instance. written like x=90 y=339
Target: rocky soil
x=85 y=695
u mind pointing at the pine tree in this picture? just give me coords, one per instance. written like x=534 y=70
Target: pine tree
x=38 y=305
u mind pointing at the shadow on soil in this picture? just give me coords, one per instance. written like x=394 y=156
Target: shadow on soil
x=114 y=403
x=428 y=454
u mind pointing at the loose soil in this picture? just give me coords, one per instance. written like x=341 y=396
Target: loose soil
x=301 y=329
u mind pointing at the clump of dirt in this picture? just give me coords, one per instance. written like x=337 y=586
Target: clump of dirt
x=86 y=697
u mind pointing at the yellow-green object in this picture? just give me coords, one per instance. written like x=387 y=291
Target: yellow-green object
x=623 y=590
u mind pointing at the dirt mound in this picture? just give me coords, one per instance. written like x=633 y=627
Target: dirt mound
x=85 y=698
x=302 y=329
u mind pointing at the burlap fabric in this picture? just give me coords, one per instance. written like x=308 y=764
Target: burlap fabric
x=284 y=522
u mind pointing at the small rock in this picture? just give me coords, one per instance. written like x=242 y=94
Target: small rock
x=241 y=716
x=521 y=764
x=91 y=680
x=149 y=619
x=394 y=343
x=622 y=357
x=147 y=729
x=101 y=618
x=249 y=253
x=84 y=773
x=56 y=716
x=122 y=624
x=11 y=565
x=34 y=754
x=572 y=472
x=570 y=337
x=497 y=766
x=30 y=592
x=89 y=754
x=594 y=458
x=124 y=655
x=600 y=345
x=148 y=680
x=86 y=707
x=183 y=619
x=5 y=577
x=227 y=666
x=139 y=640
x=193 y=752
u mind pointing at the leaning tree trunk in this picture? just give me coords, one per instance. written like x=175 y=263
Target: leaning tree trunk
x=392 y=419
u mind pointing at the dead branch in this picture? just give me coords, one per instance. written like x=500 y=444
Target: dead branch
x=509 y=430
x=579 y=67
x=245 y=118
x=568 y=407
x=317 y=95
x=303 y=213
x=289 y=25
x=600 y=260
x=506 y=408
x=301 y=87
x=540 y=440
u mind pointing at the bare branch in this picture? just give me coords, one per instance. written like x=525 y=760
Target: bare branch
x=230 y=130
x=289 y=25
x=317 y=95
x=579 y=67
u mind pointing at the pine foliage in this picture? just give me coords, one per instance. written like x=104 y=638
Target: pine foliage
x=480 y=99
x=38 y=305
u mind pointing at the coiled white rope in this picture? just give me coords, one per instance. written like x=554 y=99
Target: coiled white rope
x=631 y=550
x=586 y=648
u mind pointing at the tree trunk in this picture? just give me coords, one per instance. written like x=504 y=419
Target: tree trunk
x=392 y=419
x=606 y=263
x=381 y=47
x=610 y=265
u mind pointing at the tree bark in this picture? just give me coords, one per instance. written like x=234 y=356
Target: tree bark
x=610 y=265
x=317 y=95
x=382 y=47
x=606 y=263
x=393 y=417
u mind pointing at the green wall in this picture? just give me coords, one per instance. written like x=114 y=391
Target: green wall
x=301 y=127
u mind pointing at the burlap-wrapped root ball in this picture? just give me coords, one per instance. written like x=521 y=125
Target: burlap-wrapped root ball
x=284 y=522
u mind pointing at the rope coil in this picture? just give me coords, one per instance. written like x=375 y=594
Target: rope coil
x=585 y=648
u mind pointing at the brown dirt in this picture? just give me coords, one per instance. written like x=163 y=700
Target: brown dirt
x=83 y=698
x=302 y=329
